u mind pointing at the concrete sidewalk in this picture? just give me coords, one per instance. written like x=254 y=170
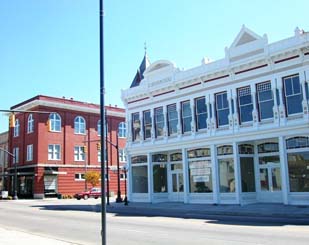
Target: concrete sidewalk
x=201 y=210
x=13 y=237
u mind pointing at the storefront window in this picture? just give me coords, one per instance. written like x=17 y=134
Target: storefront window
x=159 y=178
x=247 y=174
x=200 y=175
x=139 y=179
x=299 y=171
x=226 y=175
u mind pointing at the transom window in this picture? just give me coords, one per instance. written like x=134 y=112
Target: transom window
x=30 y=124
x=297 y=142
x=201 y=152
x=147 y=124
x=246 y=149
x=175 y=157
x=222 y=109
x=79 y=125
x=159 y=121
x=53 y=152
x=122 y=130
x=268 y=147
x=136 y=126
x=224 y=150
x=54 y=122
x=265 y=100
x=186 y=116
x=79 y=154
x=172 y=118
x=159 y=158
x=245 y=104
x=293 y=94
x=139 y=159
x=16 y=128
x=200 y=113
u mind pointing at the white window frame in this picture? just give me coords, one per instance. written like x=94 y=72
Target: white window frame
x=79 y=154
x=286 y=97
x=122 y=130
x=220 y=96
x=79 y=125
x=81 y=177
x=183 y=117
x=260 y=88
x=16 y=128
x=122 y=155
x=54 y=150
x=29 y=152
x=30 y=124
x=55 y=122
x=244 y=91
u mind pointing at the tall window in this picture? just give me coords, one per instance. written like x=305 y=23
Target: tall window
x=29 y=152
x=16 y=128
x=159 y=121
x=245 y=104
x=200 y=113
x=172 y=118
x=30 y=125
x=122 y=155
x=293 y=94
x=79 y=125
x=222 y=109
x=55 y=122
x=265 y=100
x=136 y=126
x=99 y=127
x=186 y=116
x=79 y=154
x=122 y=130
x=16 y=155
x=54 y=152
x=147 y=124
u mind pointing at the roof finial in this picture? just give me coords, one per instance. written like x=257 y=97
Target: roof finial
x=145 y=47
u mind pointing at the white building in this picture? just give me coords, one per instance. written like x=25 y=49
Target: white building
x=231 y=131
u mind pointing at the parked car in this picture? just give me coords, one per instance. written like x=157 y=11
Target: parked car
x=93 y=192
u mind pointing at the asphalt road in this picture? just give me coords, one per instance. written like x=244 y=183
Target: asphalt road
x=78 y=222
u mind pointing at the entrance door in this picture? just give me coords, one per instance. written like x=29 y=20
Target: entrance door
x=270 y=180
x=177 y=186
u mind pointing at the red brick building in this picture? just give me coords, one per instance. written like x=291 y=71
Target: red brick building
x=49 y=141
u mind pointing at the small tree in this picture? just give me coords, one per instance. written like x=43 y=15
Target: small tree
x=92 y=177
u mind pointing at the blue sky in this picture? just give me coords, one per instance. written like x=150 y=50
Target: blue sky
x=51 y=47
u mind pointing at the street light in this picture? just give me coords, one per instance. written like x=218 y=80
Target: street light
x=118 y=199
x=125 y=169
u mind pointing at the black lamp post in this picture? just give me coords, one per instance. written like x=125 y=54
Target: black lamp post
x=118 y=199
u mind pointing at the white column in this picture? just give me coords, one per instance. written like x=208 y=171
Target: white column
x=237 y=173
x=153 y=135
x=302 y=79
x=235 y=115
x=141 y=132
x=129 y=177
x=185 y=175
x=193 y=123
x=255 y=118
x=284 y=170
x=165 y=130
x=281 y=102
x=150 y=182
x=215 y=175
x=230 y=117
x=213 y=118
x=275 y=107
x=208 y=120
x=178 y=108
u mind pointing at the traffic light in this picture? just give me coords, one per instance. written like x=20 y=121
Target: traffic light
x=99 y=146
x=12 y=120
x=84 y=149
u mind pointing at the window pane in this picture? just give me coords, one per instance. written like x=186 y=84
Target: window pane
x=226 y=175
x=247 y=174
x=276 y=179
x=200 y=176
x=264 y=179
x=139 y=179
x=265 y=95
x=299 y=171
x=294 y=104
x=288 y=86
x=223 y=117
x=159 y=178
x=266 y=109
x=246 y=113
x=296 y=85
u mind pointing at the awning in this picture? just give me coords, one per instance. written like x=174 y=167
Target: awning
x=46 y=172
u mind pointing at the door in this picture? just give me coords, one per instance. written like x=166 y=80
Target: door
x=270 y=180
x=177 y=187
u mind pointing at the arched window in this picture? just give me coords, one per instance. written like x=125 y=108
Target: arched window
x=79 y=125
x=16 y=128
x=297 y=142
x=30 y=127
x=122 y=130
x=54 y=122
